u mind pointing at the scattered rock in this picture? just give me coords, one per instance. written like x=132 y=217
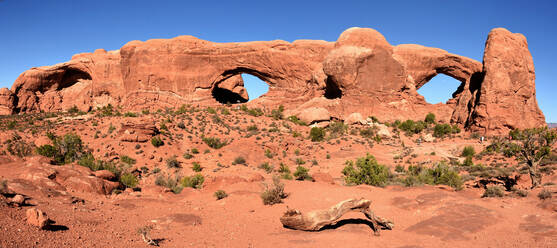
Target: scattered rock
x=18 y=200
x=38 y=218
x=105 y=174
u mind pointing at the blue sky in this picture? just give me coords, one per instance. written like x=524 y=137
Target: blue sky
x=45 y=32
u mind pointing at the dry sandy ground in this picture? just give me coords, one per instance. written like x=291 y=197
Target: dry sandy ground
x=424 y=216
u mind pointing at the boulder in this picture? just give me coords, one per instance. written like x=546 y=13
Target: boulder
x=6 y=101
x=18 y=200
x=105 y=174
x=38 y=218
x=322 y=177
x=311 y=115
x=140 y=130
x=355 y=118
x=383 y=131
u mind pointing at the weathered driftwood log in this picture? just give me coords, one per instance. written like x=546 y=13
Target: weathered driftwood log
x=317 y=219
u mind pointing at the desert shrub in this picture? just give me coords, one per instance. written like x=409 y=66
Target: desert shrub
x=399 y=168
x=521 y=192
x=181 y=125
x=170 y=183
x=252 y=128
x=411 y=127
x=300 y=161
x=187 y=155
x=220 y=194
x=196 y=167
x=317 y=134
x=268 y=153
x=301 y=173
x=544 y=194
x=214 y=143
x=239 y=160
x=194 y=151
x=273 y=194
x=130 y=114
x=337 y=129
x=439 y=174
x=295 y=120
x=367 y=171
x=430 y=118
x=64 y=150
x=266 y=166
x=468 y=151
x=277 y=113
x=195 y=181
x=468 y=161
x=127 y=160
x=19 y=147
x=368 y=132
x=129 y=180
x=107 y=110
x=441 y=130
x=73 y=110
x=285 y=172
x=172 y=162
x=157 y=141
x=493 y=191
x=89 y=161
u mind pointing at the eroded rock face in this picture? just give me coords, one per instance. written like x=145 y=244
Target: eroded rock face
x=507 y=96
x=360 y=72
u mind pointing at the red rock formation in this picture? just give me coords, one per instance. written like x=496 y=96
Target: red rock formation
x=507 y=96
x=360 y=72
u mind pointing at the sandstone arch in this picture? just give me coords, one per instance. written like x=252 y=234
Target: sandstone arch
x=360 y=72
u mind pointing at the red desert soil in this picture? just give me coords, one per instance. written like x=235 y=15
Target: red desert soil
x=424 y=216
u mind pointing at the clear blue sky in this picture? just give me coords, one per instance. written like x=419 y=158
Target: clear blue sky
x=45 y=32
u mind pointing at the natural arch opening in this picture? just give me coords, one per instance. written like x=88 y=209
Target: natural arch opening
x=254 y=86
x=72 y=76
x=439 y=89
x=239 y=88
x=332 y=90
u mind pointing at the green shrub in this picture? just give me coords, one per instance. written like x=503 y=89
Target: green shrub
x=127 y=160
x=268 y=153
x=300 y=161
x=468 y=161
x=368 y=132
x=64 y=150
x=46 y=150
x=430 y=118
x=196 y=167
x=170 y=183
x=194 y=151
x=301 y=173
x=188 y=155
x=220 y=194
x=468 y=151
x=337 y=129
x=441 y=130
x=239 y=160
x=172 y=162
x=129 y=180
x=367 y=171
x=273 y=194
x=266 y=166
x=317 y=134
x=493 y=191
x=411 y=127
x=252 y=128
x=130 y=114
x=544 y=194
x=399 y=168
x=295 y=120
x=285 y=172
x=195 y=181
x=156 y=141
x=277 y=113
x=214 y=143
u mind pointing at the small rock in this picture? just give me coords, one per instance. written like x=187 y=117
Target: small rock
x=38 y=218
x=18 y=200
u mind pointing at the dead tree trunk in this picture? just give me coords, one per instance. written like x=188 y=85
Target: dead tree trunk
x=317 y=219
